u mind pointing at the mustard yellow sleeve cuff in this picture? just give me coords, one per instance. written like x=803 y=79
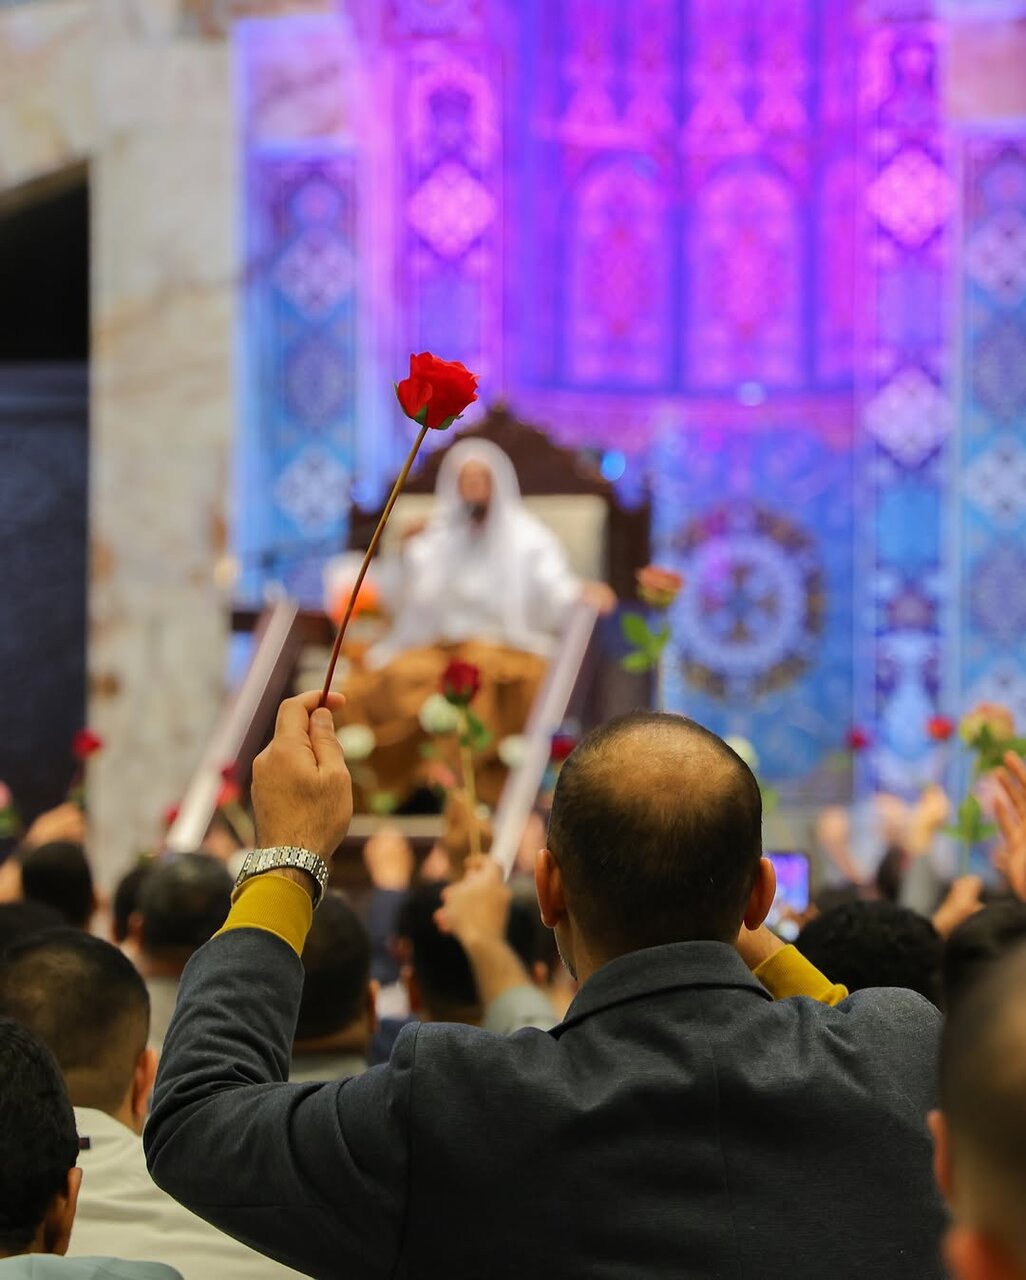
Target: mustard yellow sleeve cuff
x=274 y=903
x=788 y=973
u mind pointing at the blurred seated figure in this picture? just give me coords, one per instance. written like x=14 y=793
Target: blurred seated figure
x=980 y=1131
x=39 y=1177
x=58 y=875
x=125 y=903
x=875 y=944
x=337 y=1017
x=978 y=944
x=182 y=903
x=485 y=581
x=88 y=1005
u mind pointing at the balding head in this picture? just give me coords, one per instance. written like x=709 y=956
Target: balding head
x=982 y=1159
x=656 y=829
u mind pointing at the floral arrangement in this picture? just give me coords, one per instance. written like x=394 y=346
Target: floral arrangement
x=434 y=395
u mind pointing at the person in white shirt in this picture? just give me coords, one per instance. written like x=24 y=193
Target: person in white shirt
x=86 y=1002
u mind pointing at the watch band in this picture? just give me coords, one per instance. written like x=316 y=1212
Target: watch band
x=260 y=860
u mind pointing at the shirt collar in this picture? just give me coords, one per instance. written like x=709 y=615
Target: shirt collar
x=674 y=966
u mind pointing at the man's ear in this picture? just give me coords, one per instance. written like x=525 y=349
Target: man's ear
x=942 y=1170
x=548 y=885
x=971 y=1255
x=135 y=927
x=60 y=1217
x=142 y=1086
x=764 y=890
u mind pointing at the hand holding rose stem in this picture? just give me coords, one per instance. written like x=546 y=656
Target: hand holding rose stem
x=434 y=396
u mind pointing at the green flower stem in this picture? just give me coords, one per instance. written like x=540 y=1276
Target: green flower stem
x=467 y=766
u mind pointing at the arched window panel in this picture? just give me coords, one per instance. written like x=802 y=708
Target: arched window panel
x=745 y=279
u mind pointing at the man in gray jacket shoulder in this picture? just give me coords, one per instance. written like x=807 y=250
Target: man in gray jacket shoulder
x=677 y=1121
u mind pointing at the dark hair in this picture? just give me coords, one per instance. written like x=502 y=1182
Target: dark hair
x=183 y=902
x=978 y=942
x=890 y=873
x=875 y=944
x=25 y=919
x=126 y=898
x=439 y=961
x=526 y=934
x=38 y=1139
x=59 y=875
x=656 y=825
x=336 y=970
x=983 y=1083
x=85 y=1000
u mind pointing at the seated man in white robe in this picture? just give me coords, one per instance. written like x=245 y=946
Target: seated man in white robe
x=484 y=581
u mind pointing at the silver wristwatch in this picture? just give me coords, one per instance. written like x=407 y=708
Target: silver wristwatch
x=261 y=860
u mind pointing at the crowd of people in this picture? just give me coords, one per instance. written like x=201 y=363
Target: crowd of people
x=202 y=1082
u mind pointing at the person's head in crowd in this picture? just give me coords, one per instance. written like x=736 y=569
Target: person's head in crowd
x=58 y=874
x=86 y=1001
x=980 y=1131
x=435 y=969
x=39 y=1180
x=25 y=919
x=337 y=1010
x=978 y=943
x=182 y=904
x=125 y=902
x=875 y=944
x=890 y=874
x=655 y=837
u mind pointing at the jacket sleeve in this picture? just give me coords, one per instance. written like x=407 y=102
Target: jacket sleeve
x=314 y=1175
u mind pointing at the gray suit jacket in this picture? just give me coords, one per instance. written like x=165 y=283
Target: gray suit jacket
x=677 y=1123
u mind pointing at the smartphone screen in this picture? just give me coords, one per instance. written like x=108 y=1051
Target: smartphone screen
x=792 y=892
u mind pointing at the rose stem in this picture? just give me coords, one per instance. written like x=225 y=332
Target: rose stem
x=467 y=764
x=393 y=497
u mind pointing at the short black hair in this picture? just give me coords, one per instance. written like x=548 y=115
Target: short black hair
x=24 y=920
x=336 y=970
x=183 y=902
x=38 y=1138
x=59 y=875
x=875 y=944
x=85 y=1000
x=439 y=961
x=983 y=1091
x=978 y=943
x=126 y=897
x=656 y=825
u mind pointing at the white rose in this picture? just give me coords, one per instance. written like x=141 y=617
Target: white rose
x=357 y=741
x=745 y=750
x=512 y=750
x=438 y=716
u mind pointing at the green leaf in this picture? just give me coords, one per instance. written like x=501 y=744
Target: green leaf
x=636 y=630
x=968 y=814
x=637 y=662
x=383 y=803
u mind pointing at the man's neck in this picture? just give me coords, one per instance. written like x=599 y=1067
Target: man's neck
x=349 y=1040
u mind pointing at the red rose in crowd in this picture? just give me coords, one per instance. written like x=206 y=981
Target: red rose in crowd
x=85 y=743
x=858 y=739
x=940 y=728
x=460 y=682
x=170 y=815
x=437 y=391
x=562 y=745
x=658 y=587
x=228 y=773
x=230 y=793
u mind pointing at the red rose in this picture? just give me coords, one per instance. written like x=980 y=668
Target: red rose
x=437 y=391
x=562 y=745
x=170 y=815
x=658 y=587
x=940 y=728
x=228 y=773
x=230 y=793
x=460 y=682
x=858 y=739
x=85 y=743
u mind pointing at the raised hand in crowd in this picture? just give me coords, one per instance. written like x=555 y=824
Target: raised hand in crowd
x=961 y=902
x=1010 y=811
x=66 y=825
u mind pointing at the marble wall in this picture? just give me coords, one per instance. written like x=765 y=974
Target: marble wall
x=142 y=91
